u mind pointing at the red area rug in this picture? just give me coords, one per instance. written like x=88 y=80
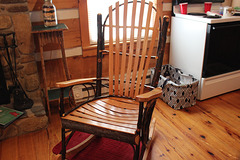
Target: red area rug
x=99 y=149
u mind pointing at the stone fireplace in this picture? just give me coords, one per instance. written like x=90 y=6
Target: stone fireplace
x=14 y=17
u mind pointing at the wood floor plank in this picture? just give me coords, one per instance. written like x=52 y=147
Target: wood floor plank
x=41 y=145
x=222 y=127
x=171 y=147
x=231 y=103
x=224 y=111
x=209 y=123
x=1 y=151
x=25 y=147
x=205 y=131
x=191 y=144
x=9 y=149
x=206 y=136
x=53 y=132
x=232 y=98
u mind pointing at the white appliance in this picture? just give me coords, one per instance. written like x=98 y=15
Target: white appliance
x=208 y=49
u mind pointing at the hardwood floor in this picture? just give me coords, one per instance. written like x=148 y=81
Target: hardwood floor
x=208 y=130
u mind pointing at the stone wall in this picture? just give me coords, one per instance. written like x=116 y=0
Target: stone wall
x=14 y=17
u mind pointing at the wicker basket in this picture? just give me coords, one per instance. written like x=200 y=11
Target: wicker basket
x=179 y=89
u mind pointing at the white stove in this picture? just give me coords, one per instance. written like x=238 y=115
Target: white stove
x=208 y=49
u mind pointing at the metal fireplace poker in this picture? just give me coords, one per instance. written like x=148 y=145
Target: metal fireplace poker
x=20 y=98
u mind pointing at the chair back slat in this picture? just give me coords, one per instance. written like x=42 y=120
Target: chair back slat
x=154 y=36
x=130 y=49
x=130 y=56
x=124 y=48
x=138 y=48
x=110 y=52
x=144 y=51
x=117 y=50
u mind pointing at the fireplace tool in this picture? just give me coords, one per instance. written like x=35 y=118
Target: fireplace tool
x=21 y=99
x=4 y=94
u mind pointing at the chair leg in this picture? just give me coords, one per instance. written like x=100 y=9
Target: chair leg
x=136 y=152
x=146 y=147
x=63 y=152
x=142 y=151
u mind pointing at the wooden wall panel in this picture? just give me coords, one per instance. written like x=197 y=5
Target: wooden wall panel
x=72 y=36
x=54 y=72
x=36 y=5
x=84 y=23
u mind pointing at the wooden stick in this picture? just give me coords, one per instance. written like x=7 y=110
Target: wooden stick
x=124 y=48
x=130 y=57
x=110 y=53
x=151 y=134
x=138 y=49
x=117 y=48
x=136 y=27
x=144 y=52
x=41 y=43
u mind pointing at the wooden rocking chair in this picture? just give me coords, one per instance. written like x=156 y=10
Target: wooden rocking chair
x=125 y=114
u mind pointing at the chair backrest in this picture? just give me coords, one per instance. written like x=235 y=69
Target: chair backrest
x=133 y=29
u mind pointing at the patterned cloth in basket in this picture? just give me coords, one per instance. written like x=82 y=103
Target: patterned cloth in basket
x=179 y=89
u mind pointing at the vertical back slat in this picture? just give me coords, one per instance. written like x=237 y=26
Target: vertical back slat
x=124 y=48
x=154 y=35
x=117 y=51
x=130 y=57
x=144 y=50
x=110 y=52
x=138 y=48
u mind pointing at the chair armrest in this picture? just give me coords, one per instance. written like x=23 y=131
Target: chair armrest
x=73 y=82
x=145 y=97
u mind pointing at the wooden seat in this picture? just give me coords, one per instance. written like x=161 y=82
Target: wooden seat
x=125 y=114
x=111 y=114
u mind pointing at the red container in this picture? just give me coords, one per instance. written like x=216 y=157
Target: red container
x=207 y=6
x=183 y=8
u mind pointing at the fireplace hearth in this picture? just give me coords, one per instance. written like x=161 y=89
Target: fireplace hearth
x=15 y=18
